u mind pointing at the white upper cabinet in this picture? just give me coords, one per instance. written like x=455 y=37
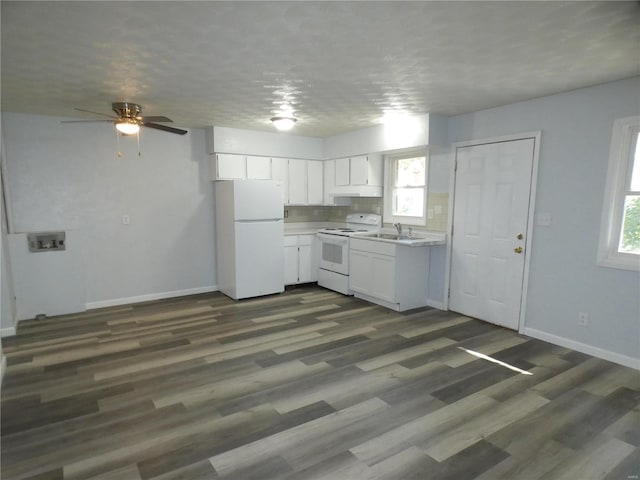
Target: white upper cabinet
x=229 y=167
x=358 y=171
x=329 y=176
x=280 y=175
x=342 y=171
x=258 y=168
x=305 y=182
x=314 y=182
x=297 y=182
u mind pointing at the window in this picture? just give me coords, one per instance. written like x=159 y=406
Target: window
x=619 y=245
x=405 y=198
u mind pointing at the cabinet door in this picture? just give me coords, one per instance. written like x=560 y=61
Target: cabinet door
x=361 y=271
x=280 y=175
x=258 y=168
x=290 y=265
x=342 y=171
x=297 y=182
x=383 y=277
x=314 y=182
x=329 y=176
x=304 y=263
x=359 y=170
x=230 y=167
x=308 y=258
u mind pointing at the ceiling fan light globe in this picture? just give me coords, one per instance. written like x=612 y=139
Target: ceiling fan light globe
x=127 y=127
x=284 y=123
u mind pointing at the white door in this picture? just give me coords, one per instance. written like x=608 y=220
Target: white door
x=491 y=207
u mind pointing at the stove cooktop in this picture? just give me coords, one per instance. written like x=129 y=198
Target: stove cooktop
x=356 y=223
x=343 y=231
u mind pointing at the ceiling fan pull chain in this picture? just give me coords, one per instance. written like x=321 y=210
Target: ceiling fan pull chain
x=118 y=142
x=138 y=136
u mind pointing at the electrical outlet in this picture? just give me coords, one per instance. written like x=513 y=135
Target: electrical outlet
x=583 y=319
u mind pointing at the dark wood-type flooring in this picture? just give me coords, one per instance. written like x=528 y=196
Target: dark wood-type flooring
x=307 y=385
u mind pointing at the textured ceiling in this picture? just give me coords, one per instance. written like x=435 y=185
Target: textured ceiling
x=340 y=65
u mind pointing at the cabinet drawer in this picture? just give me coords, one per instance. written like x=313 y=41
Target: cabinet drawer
x=305 y=239
x=373 y=246
x=291 y=240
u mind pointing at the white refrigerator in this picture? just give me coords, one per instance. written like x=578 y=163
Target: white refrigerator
x=249 y=237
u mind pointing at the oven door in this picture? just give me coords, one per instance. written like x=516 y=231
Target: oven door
x=334 y=253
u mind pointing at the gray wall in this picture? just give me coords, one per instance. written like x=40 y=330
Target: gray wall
x=564 y=278
x=68 y=176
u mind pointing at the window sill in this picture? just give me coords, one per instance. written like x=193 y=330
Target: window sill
x=620 y=261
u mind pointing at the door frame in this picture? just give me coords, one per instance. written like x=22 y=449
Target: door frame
x=536 y=136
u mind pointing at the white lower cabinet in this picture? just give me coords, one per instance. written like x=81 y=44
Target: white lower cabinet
x=391 y=275
x=301 y=259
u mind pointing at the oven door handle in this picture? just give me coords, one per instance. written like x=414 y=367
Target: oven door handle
x=334 y=239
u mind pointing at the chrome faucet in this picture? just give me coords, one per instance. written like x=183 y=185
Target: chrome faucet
x=398 y=227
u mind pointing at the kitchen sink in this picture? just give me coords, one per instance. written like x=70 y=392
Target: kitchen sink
x=391 y=236
x=388 y=236
x=412 y=241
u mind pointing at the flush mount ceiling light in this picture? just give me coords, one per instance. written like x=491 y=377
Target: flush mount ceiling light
x=284 y=122
x=127 y=126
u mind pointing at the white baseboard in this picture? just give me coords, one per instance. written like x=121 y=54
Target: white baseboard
x=435 y=304
x=152 y=296
x=584 y=348
x=3 y=367
x=7 y=332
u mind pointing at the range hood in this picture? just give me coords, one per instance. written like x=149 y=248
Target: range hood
x=356 y=191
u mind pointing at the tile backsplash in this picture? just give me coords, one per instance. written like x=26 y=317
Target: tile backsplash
x=318 y=213
x=437 y=209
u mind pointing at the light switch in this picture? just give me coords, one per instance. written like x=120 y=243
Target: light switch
x=126 y=220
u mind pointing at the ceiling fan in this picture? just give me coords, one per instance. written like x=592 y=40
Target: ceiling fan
x=129 y=119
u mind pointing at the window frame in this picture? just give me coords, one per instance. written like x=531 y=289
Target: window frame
x=390 y=187
x=625 y=130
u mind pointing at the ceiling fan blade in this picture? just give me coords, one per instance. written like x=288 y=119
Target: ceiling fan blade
x=165 y=128
x=85 y=121
x=159 y=118
x=97 y=113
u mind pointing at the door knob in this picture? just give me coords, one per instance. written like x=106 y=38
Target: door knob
x=518 y=249
x=519 y=236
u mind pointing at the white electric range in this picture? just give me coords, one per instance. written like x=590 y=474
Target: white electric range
x=334 y=250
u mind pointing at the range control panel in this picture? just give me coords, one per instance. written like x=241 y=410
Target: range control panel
x=46 y=241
